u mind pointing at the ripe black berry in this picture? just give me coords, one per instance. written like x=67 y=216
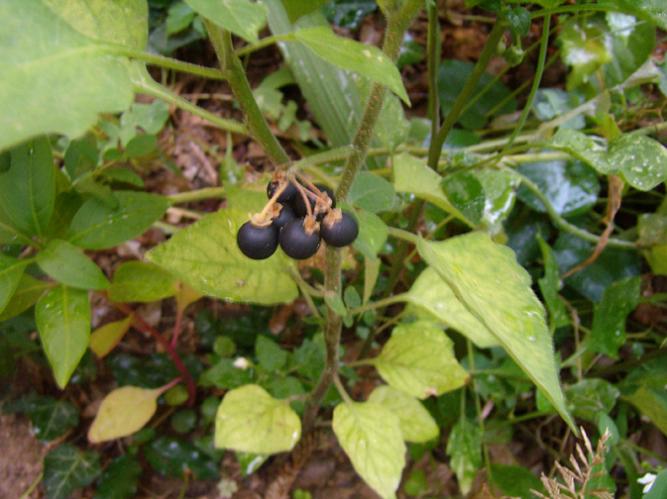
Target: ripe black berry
x=284 y=216
x=339 y=229
x=300 y=207
x=297 y=241
x=257 y=242
x=286 y=196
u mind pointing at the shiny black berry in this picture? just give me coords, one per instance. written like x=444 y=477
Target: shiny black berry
x=257 y=242
x=285 y=216
x=300 y=207
x=297 y=242
x=286 y=196
x=339 y=231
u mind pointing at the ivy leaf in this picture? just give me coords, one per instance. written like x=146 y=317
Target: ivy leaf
x=120 y=479
x=50 y=417
x=367 y=60
x=106 y=337
x=123 y=412
x=250 y=420
x=464 y=447
x=99 y=226
x=63 y=322
x=67 y=469
x=416 y=423
x=242 y=17
x=141 y=282
x=641 y=160
x=496 y=290
x=11 y=271
x=419 y=360
x=176 y=458
x=370 y=435
x=28 y=187
x=429 y=292
x=69 y=265
x=206 y=256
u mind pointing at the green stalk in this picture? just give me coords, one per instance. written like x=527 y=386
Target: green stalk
x=170 y=63
x=489 y=50
x=433 y=60
x=198 y=195
x=264 y=42
x=231 y=65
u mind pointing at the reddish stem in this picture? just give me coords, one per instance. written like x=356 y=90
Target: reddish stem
x=143 y=326
x=178 y=327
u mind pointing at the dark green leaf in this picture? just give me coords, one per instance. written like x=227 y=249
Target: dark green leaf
x=224 y=374
x=644 y=388
x=591 y=397
x=464 y=448
x=515 y=481
x=173 y=457
x=183 y=421
x=269 y=355
x=372 y=193
x=69 y=265
x=659 y=488
x=67 y=469
x=373 y=233
x=11 y=271
x=641 y=160
x=552 y=102
x=550 y=285
x=120 y=479
x=298 y=8
x=349 y=13
x=141 y=145
x=81 y=156
x=466 y=193
x=50 y=417
x=124 y=176
x=179 y=17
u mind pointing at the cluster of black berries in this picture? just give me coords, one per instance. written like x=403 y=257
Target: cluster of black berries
x=298 y=216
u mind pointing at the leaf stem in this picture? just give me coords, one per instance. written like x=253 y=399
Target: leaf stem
x=433 y=59
x=341 y=390
x=170 y=63
x=404 y=235
x=384 y=302
x=264 y=42
x=198 y=195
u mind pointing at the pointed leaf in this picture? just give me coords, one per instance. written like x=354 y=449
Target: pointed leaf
x=69 y=265
x=105 y=338
x=67 y=469
x=419 y=360
x=120 y=479
x=242 y=17
x=123 y=412
x=371 y=437
x=28 y=291
x=206 y=256
x=141 y=282
x=50 y=417
x=11 y=271
x=417 y=424
x=496 y=290
x=367 y=60
x=251 y=420
x=465 y=450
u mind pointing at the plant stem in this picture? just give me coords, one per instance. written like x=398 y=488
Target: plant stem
x=198 y=195
x=489 y=50
x=264 y=42
x=170 y=63
x=404 y=235
x=433 y=59
x=384 y=302
x=231 y=65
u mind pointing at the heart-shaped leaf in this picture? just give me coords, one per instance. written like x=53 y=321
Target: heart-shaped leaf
x=417 y=424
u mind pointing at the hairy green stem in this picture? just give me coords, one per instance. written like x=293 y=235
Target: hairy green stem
x=453 y=116
x=198 y=195
x=170 y=63
x=238 y=81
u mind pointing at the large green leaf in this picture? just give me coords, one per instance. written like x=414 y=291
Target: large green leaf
x=58 y=74
x=250 y=420
x=63 y=323
x=98 y=226
x=67 y=469
x=431 y=293
x=28 y=291
x=11 y=271
x=419 y=360
x=242 y=17
x=641 y=160
x=69 y=265
x=417 y=424
x=370 y=435
x=28 y=188
x=141 y=282
x=206 y=256
x=496 y=290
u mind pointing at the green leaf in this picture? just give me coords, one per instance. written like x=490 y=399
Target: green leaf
x=496 y=290
x=552 y=102
x=419 y=360
x=644 y=388
x=550 y=285
x=500 y=192
x=464 y=448
x=372 y=193
x=466 y=193
x=120 y=479
x=654 y=11
x=586 y=148
x=269 y=355
x=106 y=337
x=28 y=188
x=206 y=256
x=50 y=417
x=98 y=226
x=659 y=487
x=367 y=60
x=11 y=271
x=608 y=330
x=28 y=291
x=416 y=423
x=141 y=282
x=250 y=420
x=370 y=435
x=53 y=55
x=571 y=186
x=373 y=233
x=429 y=292
x=123 y=411
x=67 y=469
x=515 y=481
x=224 y=374
x=299 y=8
x=591 y=397
x=242 y=17
x=63 y=323
x=641 y=160
x=177 y=458
x=69 y=265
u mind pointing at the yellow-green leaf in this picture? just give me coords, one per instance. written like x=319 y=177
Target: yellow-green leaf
x=68 y=264
x=251 y=420
x=419 y=360
x=417 y=424
x=123 y=412
x=11 y=271
x=242 y=17
x=141 y=282
x=106 y=337
x=496 y=290
x=186 y=296
x=28 y=291
x=370 y=435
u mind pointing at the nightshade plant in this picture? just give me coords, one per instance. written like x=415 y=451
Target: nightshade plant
x=68 y=184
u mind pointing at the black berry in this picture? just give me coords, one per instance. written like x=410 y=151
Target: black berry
x=300 y=206
x=340 y=229
x=257 y=242
x=286 y=196
x=284 y=216
x=297 y=242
